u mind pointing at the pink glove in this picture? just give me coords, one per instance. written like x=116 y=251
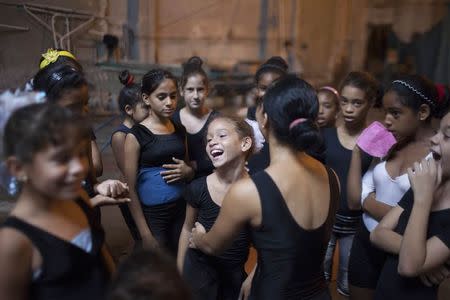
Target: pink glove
x=376 y=140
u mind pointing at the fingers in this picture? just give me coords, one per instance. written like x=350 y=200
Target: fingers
x=170 y=172
x=171 y=166
x=425 y=281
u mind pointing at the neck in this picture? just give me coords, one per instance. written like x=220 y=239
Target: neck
x=442 y=195
x=160 y=119
x=352 y=129
x=424 y=133
x=231 y=172
x=34 y=202
x=128 y=122
x=283 y=154
x=199 y=112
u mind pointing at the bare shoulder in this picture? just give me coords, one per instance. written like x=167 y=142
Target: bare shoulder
x=244 y=193
x=14 y=244
x=118 y=136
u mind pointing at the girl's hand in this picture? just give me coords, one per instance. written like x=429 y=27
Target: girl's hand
x=112 y=188
x=149 y=242
x=177 y=171
x=436 y=276
x=246 y=287
x=197 y=232
x=424 y=178
x=100 y=200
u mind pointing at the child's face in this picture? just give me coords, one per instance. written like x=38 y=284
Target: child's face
x=139 y=112
x=58 y=171
x=354 y=105
x=195 y=92
x=401 y=120
x=440 y=145
x=163 y=100
x=223 y=143
x=328 y=110
x=264 y=83
x=76 y=99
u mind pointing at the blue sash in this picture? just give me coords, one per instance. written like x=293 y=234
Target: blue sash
x=153 y=190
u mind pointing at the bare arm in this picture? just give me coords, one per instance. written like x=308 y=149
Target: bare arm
x=96 y=159
x=16 y=254
x=375 y=208
x=384 y=236
x=108 y=260
x=354 y=180
x=417 y=253
x=183 y=244
x=118 y=145
x=239 y=207
x=132 y=150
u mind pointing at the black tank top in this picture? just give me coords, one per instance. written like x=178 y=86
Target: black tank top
x=338 y=158
x=290 y=258
x=198 y=196
x=158 y=149
x=68 y=272
x=197 y=145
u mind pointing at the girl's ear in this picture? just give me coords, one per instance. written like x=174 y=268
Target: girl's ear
x=424 y=112
x=146 y=99
x=128 y=110
x=16 y=168
x=246 y=144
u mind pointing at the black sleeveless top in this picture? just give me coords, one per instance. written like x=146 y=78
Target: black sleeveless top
x=261 y=160
x=290 y=258
x=197 y=145
x=338 y=158
x=68 y=272
x=198 y=196
x=158 y=149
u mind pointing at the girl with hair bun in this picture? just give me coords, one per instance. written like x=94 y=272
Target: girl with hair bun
x=410 y=104
x=289 y=207
x=358 y=93
x=155 y=164
x=195 y=116
x=134 y=111
x=271 y=70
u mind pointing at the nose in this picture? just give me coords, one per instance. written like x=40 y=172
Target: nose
x=387 y=121
x=435 y=139
x=348 y=108
x=195 y=94
x=320 y=109
x=76 y=166
x=169 y=101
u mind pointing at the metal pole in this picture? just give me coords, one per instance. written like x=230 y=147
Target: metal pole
x=263 y=29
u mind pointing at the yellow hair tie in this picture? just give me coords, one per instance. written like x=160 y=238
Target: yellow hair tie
x=52 y=55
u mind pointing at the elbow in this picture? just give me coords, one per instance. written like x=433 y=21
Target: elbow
x=374 y=236
x=407 y=269
x=354 y=205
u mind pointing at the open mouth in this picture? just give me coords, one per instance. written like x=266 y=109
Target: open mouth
x=215 y=153
x=436 y=155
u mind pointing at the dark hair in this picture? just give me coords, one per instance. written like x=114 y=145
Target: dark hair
x=148 y=275
x=242 y=128
x=415 y=90
x=364 y=81
x=331 y=92
x=288 y=100
x=64 y=60
x=193 y=66
x=54 y=80
x=153 y=78
x=130 y=93
x=32 y=128
x=275 y=64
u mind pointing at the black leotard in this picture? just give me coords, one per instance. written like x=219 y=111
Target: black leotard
x=290 y=258
x=68 y=272
x=338 y=158
x=393 y=286
x=197 y=145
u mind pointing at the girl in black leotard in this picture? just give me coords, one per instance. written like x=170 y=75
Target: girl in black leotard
x=416 y=232
x=229 y=143
x=290 y=206
x=155 y=167
x=134 y=111
x=359 y=91
x=51 y=246
x=274 y=68
x=195 y=116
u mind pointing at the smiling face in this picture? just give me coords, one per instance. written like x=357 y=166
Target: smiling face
x=264 y=82
x=223 y=143
x=354 y=106
x=56 y=172
x=440 y=146
x=163 y=100
x=195 y=91
x=401 y=120
x=328 y=109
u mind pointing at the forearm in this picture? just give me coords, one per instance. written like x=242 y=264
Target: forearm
x=413 y=247
x=354 y=180
x=108 y=260
x=386 y=239
x=183 y=245
x=375 y=208
x=138 y=215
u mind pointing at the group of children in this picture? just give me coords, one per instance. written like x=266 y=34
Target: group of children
x=199 y=188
